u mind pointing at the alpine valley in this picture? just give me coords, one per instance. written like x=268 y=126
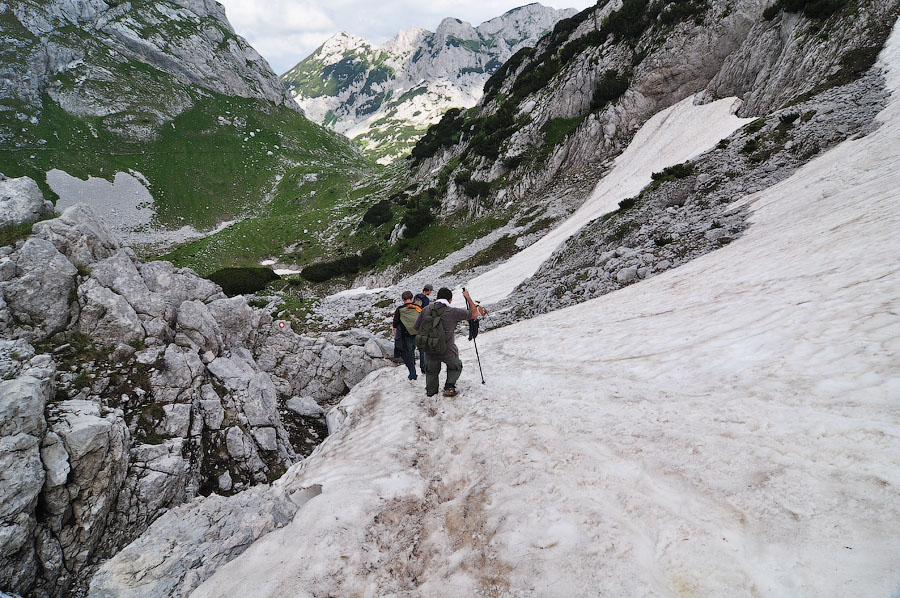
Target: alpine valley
x=680 y=215
x=384 y=98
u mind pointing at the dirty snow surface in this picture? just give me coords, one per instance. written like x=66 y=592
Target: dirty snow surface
x=728 y=428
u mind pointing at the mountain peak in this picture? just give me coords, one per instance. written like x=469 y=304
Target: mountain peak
x=341 y=42
x=413 y=77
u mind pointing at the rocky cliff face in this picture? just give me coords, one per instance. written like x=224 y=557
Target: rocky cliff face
x=100 y=59
x=129 y=388
x=385 y=97
x=572 y=104
x=161 y=91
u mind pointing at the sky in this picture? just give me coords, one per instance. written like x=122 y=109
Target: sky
x=287 y=31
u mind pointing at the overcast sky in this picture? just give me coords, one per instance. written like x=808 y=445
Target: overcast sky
x=287 y=31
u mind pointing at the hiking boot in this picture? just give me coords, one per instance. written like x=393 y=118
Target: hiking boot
x=430 y=394
x=449 y=391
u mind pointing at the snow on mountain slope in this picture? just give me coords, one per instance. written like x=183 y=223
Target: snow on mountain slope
x=728 y=428
x=672 y=136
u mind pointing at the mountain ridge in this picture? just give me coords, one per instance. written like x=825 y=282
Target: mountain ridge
x=365 y=91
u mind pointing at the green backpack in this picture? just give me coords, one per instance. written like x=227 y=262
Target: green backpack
x=430 y=338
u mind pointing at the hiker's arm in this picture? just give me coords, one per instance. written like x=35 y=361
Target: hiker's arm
x=473 y=309
x=396 y=320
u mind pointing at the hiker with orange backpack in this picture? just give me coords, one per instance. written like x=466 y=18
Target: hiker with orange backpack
x=405 y=317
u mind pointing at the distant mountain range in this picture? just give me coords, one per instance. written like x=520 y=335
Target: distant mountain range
x=385 y=97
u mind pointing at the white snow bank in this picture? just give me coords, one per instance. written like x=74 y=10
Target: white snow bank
x=358 y=291
x=671 y=137
x=728 y=428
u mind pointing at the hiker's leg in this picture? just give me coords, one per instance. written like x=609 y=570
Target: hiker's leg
x=454 y=369
x=432 y=371
x=409 y=355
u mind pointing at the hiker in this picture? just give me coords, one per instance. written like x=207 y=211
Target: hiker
x=405 y=317
x=422 y=300
x=449 y=317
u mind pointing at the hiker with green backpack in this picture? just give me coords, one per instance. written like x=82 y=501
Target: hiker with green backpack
x=405 y=318
x=436 y=327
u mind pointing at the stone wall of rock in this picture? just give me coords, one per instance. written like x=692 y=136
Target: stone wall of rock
x=729 y=50
x=132 y=387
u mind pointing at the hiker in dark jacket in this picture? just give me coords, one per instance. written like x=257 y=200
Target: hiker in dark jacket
x=450 y=317
x=423 y=300
x=405 y=317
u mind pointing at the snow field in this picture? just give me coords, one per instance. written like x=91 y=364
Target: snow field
x=727 y=428
x=670 y=137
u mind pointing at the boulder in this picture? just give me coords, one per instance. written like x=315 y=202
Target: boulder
x=211 y=407
x=21 y=201
x=79 y=235
x=178 y=285
x=56 y=461
x=718 y=235
x=119 y=274
x=22 y=403
x=237 y=321
x=177 y=420
x=40 y=293
x=304 y=406
x=626 y=275
x=97 y=442
x=106 y=317
x=187 y=544
x=196 y=328
x=178 y=377
x=22 y=476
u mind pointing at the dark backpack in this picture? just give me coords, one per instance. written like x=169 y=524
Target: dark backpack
x=431 y=338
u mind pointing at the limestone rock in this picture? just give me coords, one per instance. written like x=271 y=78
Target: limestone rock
x=39 y=295
x=79 y=235
x=236 y=321
x=97 y=444
x=196 y=328
x=304 y=406
x=186 y=545
x=21 y=201
x=119 y=274
x=178 y=377
x=107 y=317
x=626 y=275
x=177 y=420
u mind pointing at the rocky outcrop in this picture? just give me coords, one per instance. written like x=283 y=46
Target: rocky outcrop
x=190 y=542
x=21 y=202
x=689 y=212
x=385 y=97
x=22 y=475
x=182 y=43
x=573 y=104
x=154 y=388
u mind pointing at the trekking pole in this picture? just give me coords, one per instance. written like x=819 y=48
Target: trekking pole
x=479 y=361
x=473 y=332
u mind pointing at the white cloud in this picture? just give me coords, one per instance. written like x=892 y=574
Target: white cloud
x=287 y=31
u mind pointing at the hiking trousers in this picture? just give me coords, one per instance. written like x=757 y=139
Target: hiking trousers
x=433 y=370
